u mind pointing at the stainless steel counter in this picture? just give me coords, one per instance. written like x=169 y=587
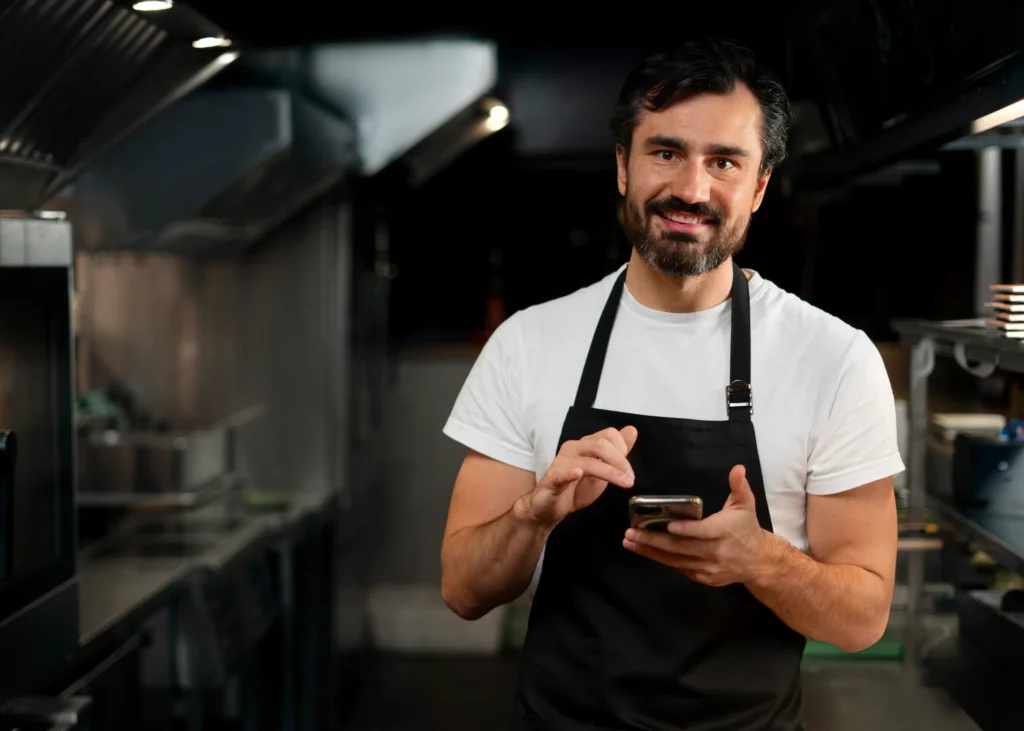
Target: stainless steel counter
x=111 y=590
x=115 y=589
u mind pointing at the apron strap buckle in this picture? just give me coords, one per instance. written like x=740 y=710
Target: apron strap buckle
x=739 y=395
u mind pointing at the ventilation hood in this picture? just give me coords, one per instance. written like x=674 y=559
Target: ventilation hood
x=78 y=75
x=218 y=170
x=211 y=174
x=400 y=93
x=898 y=80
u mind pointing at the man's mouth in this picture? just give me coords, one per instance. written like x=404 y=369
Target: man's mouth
x=675 y=221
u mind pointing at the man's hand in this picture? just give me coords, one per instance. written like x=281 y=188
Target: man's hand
x=579 y=474
x=725 y=548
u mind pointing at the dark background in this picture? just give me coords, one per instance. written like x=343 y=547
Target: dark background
x=531 y=212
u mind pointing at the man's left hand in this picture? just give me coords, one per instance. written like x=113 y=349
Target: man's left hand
x=724 y=548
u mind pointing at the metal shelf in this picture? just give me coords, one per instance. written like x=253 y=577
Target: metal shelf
x=999 y=535
x=979 y=350
x=979 y=344
x=161 y=500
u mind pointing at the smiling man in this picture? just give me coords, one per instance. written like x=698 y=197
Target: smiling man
x=678 y=374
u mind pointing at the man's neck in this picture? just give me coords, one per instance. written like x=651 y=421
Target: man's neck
x=659 y=291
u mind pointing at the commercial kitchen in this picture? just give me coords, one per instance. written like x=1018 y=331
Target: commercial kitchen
x=249 y=255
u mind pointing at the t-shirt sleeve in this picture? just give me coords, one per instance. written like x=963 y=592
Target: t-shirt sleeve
x=489 y=415
x=857 y=442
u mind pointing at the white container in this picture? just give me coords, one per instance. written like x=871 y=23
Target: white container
x=416 y=619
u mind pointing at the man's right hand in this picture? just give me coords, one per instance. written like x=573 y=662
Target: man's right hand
x=580 y=473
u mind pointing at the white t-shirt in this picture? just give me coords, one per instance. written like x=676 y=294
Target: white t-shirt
x=824 y=414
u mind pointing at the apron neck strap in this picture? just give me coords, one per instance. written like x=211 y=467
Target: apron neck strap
x=738 y=395
x=586 y=393
x=739 y=399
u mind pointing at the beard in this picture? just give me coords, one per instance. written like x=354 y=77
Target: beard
x=681 y=254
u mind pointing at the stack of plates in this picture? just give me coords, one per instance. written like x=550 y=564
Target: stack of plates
x=1007 y=309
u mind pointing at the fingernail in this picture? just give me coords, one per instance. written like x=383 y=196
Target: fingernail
x=628 y=478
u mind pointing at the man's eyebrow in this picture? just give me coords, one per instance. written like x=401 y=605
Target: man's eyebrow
x=728 y=151
x=675 y=143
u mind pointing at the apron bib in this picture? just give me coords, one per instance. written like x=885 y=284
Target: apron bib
x=617 y=641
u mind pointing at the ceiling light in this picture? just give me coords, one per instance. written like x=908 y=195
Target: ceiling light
x=1001 y=116
x=152 y=6
x=211 y=42
x=497 y=117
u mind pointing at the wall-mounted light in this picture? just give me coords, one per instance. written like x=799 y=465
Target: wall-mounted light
x=211 y=42
x=153 y=6
x=1001 y=116
x=497 y=117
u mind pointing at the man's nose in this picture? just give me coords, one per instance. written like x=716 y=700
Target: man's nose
x=692 y=184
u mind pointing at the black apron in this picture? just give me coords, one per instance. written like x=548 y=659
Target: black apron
x=617 y=641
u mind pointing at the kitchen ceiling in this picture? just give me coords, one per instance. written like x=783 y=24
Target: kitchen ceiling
x=309 y=21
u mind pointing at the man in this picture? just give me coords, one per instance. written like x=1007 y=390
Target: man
x=678 y=374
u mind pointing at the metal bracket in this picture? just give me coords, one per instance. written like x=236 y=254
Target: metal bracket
x=981 y=370
x=739 y=395
x=922 y=358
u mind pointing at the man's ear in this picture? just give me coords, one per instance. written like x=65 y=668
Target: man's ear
x=762 y=184
x=621 y=162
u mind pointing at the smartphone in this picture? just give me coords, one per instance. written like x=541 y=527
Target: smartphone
x=655 y=512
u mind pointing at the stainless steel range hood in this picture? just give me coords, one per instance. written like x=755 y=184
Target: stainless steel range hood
x=210 y=175
x=221 y=168
x=77 y=75
x=400 y=93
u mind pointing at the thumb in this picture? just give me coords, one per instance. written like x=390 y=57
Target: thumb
x=740 y=493
x=629 y=435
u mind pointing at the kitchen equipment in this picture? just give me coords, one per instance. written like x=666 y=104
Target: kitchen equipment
x=151 y=462
x=988 y=473
x=182 y=465
x=38 y=588
x=948 y=426
x=991 y=632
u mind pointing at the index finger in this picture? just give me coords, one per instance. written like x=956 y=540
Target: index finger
x=614 y=436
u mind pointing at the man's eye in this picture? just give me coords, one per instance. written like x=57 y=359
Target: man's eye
x=666 y=155
x=724 y=164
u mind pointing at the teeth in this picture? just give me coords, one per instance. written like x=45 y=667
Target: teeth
x=683 y=218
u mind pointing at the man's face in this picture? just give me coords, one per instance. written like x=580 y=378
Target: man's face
x=691 y=181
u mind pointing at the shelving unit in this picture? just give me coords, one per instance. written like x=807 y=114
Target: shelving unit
x=999 y=536
x=980 y=351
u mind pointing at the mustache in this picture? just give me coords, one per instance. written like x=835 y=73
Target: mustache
x=675 y=205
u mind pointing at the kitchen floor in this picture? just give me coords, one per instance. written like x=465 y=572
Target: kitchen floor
x=411 y=693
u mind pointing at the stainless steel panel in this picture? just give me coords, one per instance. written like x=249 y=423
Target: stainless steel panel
x=27 y=242
x=161 y=328
x=294 y=292
x=194 y=341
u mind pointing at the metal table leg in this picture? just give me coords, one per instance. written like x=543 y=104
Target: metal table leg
x=288 y=708
x=922 y=362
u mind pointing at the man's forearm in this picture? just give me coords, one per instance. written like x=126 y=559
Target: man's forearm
x=491 y=564
x=846 y=606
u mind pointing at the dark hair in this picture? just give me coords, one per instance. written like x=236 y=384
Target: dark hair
x=712 y=65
